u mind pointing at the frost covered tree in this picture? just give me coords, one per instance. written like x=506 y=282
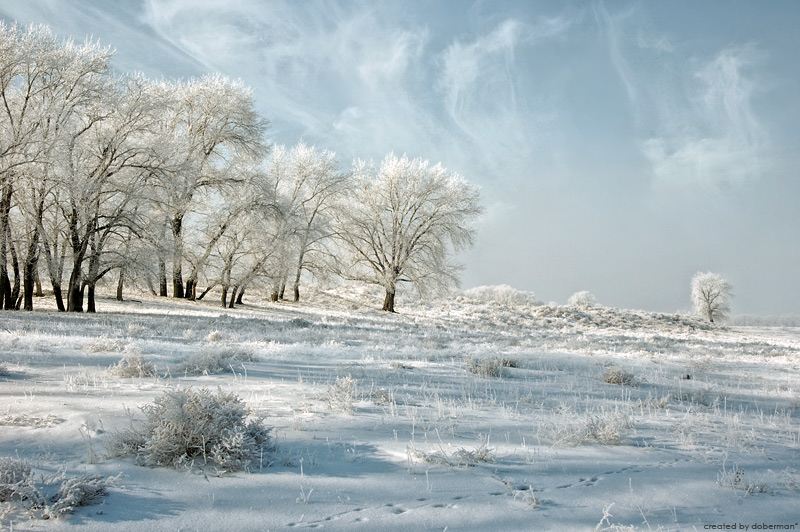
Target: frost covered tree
x=207 y=123
x=711 y=295
x=306 y=189
x=45 y=86
x=583 y=299
x=403 y=223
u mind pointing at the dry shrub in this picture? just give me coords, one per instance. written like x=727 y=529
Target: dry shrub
x=133 y=364
x=210 y=362
x=47 y=498
x=341 y=394
x=490 y=367
x=616 y=375
x=196 y=427
x=602 y=425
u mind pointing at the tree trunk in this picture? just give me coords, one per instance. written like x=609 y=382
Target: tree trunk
x=232 y=302
x=29 y=281
x=283 y=291
x=204 y=292
x=37 y=281
x=5 y=288
x=16 y=289
x=177 y=282
x=120 y=283
x=177 y=258
x=297 y=275
x=239 y=297
x=162 y=278
x=224 y=297
x=5 y=217
x=90 y=305
x=59 y=298
x=74 y=290
x=388 y=302
x=190 y=289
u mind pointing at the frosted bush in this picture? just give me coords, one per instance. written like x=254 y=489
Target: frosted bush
x=136 y=329
x=49 y=497
x=583 y=299
x=132 y=364
x=79 y=491
x=210 y=362
x=738 y=481
x=341 y=394
x=503 y=295
x=490 y=367
x=104 y=344
x=615 y=375
x=602 y=426
x=4 y=370
x=188 y=427
x=461 y=458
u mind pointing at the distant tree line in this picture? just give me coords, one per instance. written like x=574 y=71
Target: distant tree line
x=171 y=185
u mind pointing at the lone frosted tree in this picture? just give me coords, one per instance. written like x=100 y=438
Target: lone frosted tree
x=402 y=224
x=711 y=295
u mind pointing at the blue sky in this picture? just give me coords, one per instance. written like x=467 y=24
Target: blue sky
x=620 y=146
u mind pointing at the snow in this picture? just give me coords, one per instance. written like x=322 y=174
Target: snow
x=383 y=422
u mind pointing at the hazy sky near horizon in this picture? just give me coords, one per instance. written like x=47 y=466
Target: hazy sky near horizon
x=620 y=146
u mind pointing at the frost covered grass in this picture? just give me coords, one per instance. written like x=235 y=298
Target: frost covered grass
x=458 y=414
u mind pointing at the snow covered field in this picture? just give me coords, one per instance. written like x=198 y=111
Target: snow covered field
x=450 y=416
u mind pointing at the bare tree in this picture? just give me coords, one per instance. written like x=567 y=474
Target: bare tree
x=711 y=295
x=403 y=224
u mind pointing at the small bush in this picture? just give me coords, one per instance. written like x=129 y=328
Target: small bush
x=341 y=394
x=4 y=370
x=602 y=426
x=211 y=362
x=461 y=458
x=49 y=497
x=615 y=375
x=103 y=344
x=738 y=481
x=132 y=364
x=490 y=367
x=188 y=427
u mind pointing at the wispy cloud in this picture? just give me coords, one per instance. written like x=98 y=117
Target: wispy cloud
x=718 y=138
x=695 y=116
x=491 y=95
x=320 y=70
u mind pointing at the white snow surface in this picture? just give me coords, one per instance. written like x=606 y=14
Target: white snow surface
x=708 y=435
